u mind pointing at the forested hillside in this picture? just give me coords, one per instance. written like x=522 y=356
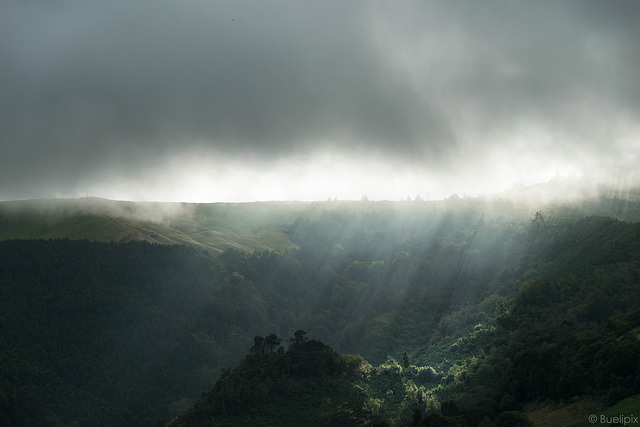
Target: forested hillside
x=466 y=301
x=308 y=384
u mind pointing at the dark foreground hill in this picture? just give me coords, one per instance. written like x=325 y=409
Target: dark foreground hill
x=461 y=301
x=309 y=384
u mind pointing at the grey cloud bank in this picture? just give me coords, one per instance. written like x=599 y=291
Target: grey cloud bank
x=212 y=101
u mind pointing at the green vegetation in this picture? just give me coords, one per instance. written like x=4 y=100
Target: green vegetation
x=98 y=331
x=451 y=313
x=307 y=385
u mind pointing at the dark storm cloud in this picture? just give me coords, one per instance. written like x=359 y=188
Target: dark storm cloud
x=496 y=66
x=229 y=74
x=92 y=90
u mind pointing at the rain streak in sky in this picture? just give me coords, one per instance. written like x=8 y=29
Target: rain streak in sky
x=239 y=101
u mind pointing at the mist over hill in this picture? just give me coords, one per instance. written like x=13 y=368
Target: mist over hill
x=125 y=313
x=214 y=227
x=263 y=225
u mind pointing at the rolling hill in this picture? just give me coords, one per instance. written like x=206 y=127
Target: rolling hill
x=214 y=227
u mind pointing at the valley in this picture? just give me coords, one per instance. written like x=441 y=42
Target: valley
x=135 y=313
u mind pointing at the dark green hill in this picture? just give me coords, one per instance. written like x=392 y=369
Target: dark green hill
x=307 y=385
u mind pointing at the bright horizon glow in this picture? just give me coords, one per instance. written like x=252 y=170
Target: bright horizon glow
x=195 y=178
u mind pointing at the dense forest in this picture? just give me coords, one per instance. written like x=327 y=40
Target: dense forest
x=406 y=313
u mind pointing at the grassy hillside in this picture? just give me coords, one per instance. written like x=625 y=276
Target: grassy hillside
x=213 y=227
x=248 y=227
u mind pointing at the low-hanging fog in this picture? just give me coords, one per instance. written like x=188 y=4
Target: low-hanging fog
x=241 y=101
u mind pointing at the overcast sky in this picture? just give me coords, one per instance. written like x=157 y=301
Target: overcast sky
x=280 y=100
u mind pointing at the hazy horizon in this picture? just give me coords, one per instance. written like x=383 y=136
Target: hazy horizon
x=248 y=101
